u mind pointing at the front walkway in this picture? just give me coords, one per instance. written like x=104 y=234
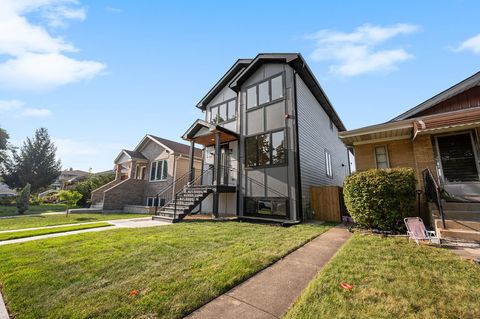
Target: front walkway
x=117 y=223
x=270 y=293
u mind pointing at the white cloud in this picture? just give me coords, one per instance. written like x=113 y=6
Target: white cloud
x=358 y=52
x=33 y=112
x=32 y=44
x=471 y=44
x=113 y=9
x=8 y=105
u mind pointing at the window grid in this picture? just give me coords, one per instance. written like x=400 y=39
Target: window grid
x=265 y=92
x=159 y=171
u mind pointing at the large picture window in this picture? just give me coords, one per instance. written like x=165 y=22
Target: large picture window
x=223 y=112
x=265 y=92
x=159 y=171
x=267 y=207
x=266 y=149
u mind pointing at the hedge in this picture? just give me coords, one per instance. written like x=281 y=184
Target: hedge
x=381 y=198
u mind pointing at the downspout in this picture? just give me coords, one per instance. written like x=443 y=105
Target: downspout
x=297 y=146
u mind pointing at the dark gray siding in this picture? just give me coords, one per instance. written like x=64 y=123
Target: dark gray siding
x=315 y=136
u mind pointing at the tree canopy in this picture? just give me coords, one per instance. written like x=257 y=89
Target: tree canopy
x=35 y=163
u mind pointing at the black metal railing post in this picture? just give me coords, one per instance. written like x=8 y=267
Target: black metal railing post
x=433 y=193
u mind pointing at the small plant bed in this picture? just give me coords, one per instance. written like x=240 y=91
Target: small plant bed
x=374 y=277
x=46 y=231
x=33 y=209
x=60 y=219
x=153 y=272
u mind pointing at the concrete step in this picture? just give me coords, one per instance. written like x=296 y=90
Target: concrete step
x=459 y=215
x=454 y=206
x=166 y=219
x=458 y=225
x=459 y=234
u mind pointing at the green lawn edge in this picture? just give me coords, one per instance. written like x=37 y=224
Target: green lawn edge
x=46 y=231
x=391 y=278
x=175 y=269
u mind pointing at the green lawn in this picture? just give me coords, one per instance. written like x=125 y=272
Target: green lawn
x=392 y=278
x=175 y=268
x=51 y=220
x=33 y=209
x=45 y=231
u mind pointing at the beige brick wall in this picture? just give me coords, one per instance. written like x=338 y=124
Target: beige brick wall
x=400 y=154
x=128 y=192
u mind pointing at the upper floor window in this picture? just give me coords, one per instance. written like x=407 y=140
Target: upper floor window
x=223 y=112
x=266 y=149
x=159 y=170
x=265 y=91
x=381 y=157
x=328 y=164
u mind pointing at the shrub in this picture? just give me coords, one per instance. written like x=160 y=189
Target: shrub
x=8 y=200
x=22 y=203
x=91 y=183
x=70 y=198
x=380 y=199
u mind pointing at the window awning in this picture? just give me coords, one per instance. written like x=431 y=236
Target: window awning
x=453 y=121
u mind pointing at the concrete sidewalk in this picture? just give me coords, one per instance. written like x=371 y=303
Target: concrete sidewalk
x=116 y=224
x=270 y=293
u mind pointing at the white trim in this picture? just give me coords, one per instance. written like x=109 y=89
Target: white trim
x=163 y=161
x=385 y=139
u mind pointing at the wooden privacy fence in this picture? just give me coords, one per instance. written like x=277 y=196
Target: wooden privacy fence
x=327 y=203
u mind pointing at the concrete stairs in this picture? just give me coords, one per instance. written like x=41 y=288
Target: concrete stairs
x=462 y=221
x=98 y=205
x=175 y=210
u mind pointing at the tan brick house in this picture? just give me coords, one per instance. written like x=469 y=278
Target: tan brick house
x=439 y=138
x=144 y=173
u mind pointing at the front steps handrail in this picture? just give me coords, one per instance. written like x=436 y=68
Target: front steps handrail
x=433 y=192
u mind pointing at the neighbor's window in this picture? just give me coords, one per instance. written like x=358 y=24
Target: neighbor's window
x=381 y=157
x=223 y=112
x=328 y=164
x=265 y=92
x=159 y=171
x=266 y=149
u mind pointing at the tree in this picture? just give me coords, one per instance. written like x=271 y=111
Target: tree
x=91 y=183
x=35 y=163
x=71 y=198
x=23 y=199
x=3 y=144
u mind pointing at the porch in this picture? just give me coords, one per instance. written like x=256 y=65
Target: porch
x=217 y=176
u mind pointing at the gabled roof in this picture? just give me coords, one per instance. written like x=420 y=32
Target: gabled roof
x=458 y=88
x=297 y=62
x=175 y=146
x=131 y=154
x=224 y=81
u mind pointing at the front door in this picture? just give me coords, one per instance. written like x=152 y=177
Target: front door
x=457 y=158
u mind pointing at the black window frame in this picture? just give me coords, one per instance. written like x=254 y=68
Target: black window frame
x=266 y=199
x=257 y=92
x=270 y=151
x=228 y=118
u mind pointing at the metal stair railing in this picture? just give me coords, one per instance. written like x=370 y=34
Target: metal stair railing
x=167 y=193
x=433 y=192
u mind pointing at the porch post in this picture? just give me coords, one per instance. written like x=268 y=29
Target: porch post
x=190 y=165
x=133 y=168
x=217 y=171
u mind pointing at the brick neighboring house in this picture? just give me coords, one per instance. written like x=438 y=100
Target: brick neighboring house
x=151 y=168
x=439 y=138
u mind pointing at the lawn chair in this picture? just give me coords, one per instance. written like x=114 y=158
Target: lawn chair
x=416 y=230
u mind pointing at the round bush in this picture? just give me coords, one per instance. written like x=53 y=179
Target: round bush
x=381 y=198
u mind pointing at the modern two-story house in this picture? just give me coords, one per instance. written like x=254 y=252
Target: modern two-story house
x=147 y=176
x=269 y=133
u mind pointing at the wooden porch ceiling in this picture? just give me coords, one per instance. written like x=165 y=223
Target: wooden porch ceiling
x=209 y=139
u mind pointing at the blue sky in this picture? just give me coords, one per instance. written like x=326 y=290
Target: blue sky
x=101 y=74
